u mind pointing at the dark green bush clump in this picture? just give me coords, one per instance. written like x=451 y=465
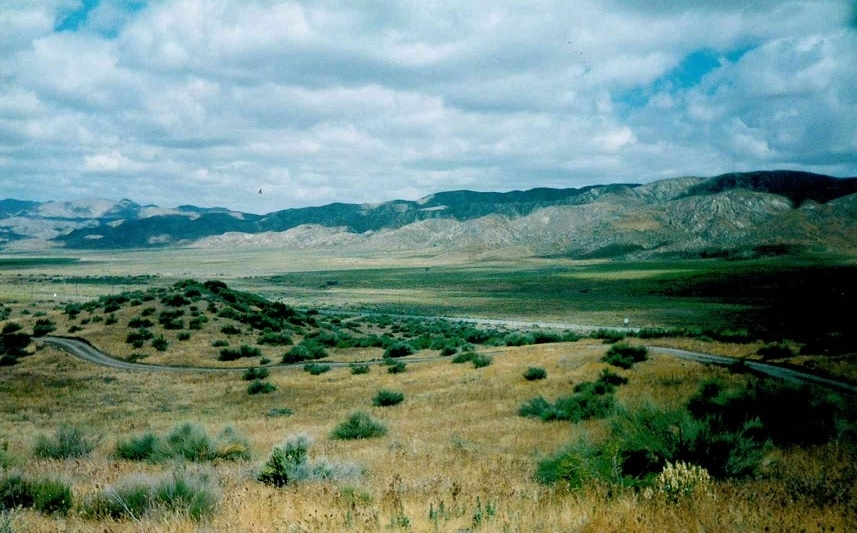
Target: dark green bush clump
x=255 y=372
x=316 y=369
x=591 y=399
x=535 y=373
x=481 y=361
x=68 y=442
x=387 y=398
x=47 y=495
x=230 y=330
x=185 y=441
x=160 y=343
x=359 y=426
x=228 y=354
x=142 y=448
x=463 y=357
x=624 y=355
x=397 y=367
x=289 y=463
x=306 y=350
x=43 y=326
x=275 y=339
x=398 y=350
x=359 y=368
x=260 y=387
x=608 y=335
x=775 y=351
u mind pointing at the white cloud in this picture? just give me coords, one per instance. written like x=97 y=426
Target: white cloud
x=206 y=101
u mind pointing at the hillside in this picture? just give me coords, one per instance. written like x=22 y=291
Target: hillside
x=736 y=214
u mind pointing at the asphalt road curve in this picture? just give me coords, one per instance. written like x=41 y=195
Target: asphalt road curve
x=91 y=354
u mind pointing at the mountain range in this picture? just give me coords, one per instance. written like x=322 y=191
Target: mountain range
x=736 y=214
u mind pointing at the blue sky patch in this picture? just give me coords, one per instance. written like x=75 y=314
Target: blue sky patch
x=73 y=20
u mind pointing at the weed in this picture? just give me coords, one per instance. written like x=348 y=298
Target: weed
x=359 y=425
x=386 y=398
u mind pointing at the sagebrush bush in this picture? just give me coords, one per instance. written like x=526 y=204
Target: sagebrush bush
x=160 y=343
x=397 y=367
x=256 y=372
x=359 y=368
x=463 y=357
x=142 y=448
x=185 y=441
x=68 y=442
x=46 y=495
x=625 y=356
x=775 y=351
x=386 y=398
x=257 y=386
x=306 y=350
x=399 y=350
x=481 y=361
x=359 y=425
x=194 y=495
x=535 y=373
x=289 y=463
x=316 y=369
x=244 y=351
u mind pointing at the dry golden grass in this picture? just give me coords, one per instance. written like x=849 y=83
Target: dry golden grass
x=456 y=457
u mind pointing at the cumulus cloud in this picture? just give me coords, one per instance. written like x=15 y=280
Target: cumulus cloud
x=207 y=101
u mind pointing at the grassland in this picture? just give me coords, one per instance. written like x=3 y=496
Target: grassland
x=456 y=456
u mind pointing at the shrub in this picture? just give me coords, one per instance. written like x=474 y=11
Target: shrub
x=275 y=339
x=142 y=448
x=611 y=378
x=590 y=400
x=481 y=361
x=191 y=441
x=194 y=495
x=397 y=367
x=607 y=335
x=49 y=496
x=679 y=480
x=67 y=442
x=219 y=343
x=255 y=373
x=260 y=387
x=230 y=329
x=463 y=357
x=279 y=411
x=448 y=350
x=244 y=351
x=624 y=355
x=316 y=369
x=183 y=336
x=775 y=351
x=160 y=343
x=110 y=320
x=289 y=463
x=398 y=350
x=359 y=425
x=11 y=327
x=386 y=398
x=535 y=373
x=43 y=326
x=359 y=368
x=305 y=351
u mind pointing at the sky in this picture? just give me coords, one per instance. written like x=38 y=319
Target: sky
x=207 y=102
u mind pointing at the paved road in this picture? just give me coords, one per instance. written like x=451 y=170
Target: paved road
x=89 y=353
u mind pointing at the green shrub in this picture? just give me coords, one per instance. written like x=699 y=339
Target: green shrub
x=607 y=335
x=68 y=442
x=625 y=356
x=230 y=329
x=279 y=411
x=43 y=326
x=398 y=350
x=47 y=495
x=359 y=425
x=139 y=337
x=244 y=351
x=289 y=464
x=183 y=336
x=359 y=368
x=448 y=350
x=397 y=367
x=611 y=378
x=160 y=343
x=463 y=357
x=191 y=441
x=590 y=400
x=535 y=373
x=192 y=494
x=307 y=350
x=110 y=320
x=316 y=369
x=275 y=339
x=143 y=448
x=255 y=373
x=260 y=387
x=481 y=361
x=775 y=351
x=386 y=398
x=219 y=343
x=11 y=327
